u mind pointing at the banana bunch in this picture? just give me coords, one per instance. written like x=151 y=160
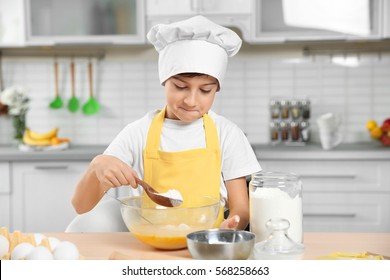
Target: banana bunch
x=33 y=138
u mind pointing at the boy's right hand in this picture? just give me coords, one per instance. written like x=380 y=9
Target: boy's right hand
x=112 y=172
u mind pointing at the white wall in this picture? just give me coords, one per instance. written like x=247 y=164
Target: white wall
x=126 y=84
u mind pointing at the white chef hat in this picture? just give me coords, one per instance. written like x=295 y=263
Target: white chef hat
x=195 y=45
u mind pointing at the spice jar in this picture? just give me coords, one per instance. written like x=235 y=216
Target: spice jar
x=294 y=131
x=285 y=110
x=295 y=109
x=284 y=127
x=275 y=109
x=305 y=131
x=305 y=109
x=275 y=195
x=274 y=131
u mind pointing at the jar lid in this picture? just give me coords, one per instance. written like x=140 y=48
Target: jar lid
x=278 y=246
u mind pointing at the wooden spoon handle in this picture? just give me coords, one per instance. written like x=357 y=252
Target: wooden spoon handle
x=90 y=79
x=56 y=78
x=145 y=185
x=73 y=79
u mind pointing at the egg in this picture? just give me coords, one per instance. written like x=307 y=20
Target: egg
x=66 y=250
x=38 y=238
x=4 y=246
x=53 y=242
x=21 y=251
x=40 y=253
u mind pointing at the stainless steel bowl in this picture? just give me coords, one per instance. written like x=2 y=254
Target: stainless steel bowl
x=221 y=244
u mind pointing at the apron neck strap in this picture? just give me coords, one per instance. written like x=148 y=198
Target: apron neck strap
x=155 y=129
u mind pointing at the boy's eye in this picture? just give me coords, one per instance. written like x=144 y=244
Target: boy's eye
x=205 y=91
x=180 y=87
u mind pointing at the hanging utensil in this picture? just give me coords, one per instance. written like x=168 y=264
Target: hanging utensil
x=56 y=103
x=92 y=106
x=73 y=104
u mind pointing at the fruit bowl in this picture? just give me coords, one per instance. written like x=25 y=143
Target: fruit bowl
x=167 y=228
x=381 y=133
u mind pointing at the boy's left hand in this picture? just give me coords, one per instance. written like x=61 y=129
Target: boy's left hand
x=230 y=223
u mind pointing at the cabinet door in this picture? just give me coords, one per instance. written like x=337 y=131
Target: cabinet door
x=193 y=7
x=171 y=7
x=12 y=23
x=5 y=191
x=42 y=193
x=269 y=26
x=87 y=22
x=386 y=19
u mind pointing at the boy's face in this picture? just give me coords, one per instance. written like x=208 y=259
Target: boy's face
x=189 y=98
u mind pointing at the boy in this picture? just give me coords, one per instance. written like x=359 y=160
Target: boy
x=184 y=146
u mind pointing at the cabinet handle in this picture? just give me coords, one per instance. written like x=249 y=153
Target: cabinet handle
x=328 y=176
x=48 y=167
x=330 y=215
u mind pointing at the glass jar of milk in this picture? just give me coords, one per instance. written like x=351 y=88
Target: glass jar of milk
x=275 y=195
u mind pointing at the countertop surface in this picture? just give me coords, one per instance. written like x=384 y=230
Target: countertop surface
x=124 y=245
x=360 y=151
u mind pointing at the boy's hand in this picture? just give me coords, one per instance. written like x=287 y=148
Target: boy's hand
x=112 y=172
x=230 y=223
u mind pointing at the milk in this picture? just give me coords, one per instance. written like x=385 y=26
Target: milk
x=267 y=203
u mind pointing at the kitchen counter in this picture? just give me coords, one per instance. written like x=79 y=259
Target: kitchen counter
x=75 y=152
x=362 y=151
x=359 y=151
x=124 y=245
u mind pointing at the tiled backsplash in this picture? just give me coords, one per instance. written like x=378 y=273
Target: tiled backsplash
x=127 y=89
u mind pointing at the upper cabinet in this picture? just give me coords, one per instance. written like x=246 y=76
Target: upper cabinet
x=386 y=19
x=55 y=22
x=12 y=23
x=268 y=23
x=232 y=13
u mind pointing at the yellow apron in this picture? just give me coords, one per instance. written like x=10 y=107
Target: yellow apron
x=195 y=173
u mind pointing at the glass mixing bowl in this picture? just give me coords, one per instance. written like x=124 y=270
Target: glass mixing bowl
x=167 y=228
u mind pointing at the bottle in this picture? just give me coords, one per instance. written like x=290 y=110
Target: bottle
x=274 y=131
x=305 y=131
x=295 y=109
x=275 y=109
x=305 y=109
x=294 y=131
x=285 y=109
x=275 y=195
x=284 y=127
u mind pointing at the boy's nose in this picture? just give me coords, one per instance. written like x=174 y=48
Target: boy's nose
x=190 y=98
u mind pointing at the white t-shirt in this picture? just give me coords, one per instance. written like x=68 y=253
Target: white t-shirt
x=237 y=156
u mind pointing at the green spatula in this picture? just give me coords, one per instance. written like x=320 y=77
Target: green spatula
x=73 y=104
x=56 y=103
x=92 y=106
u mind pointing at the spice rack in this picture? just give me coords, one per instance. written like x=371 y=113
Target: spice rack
x=289 y=121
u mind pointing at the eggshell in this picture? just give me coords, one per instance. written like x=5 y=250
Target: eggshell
x=21 y=251
x=4 y=246
x=38 y=238
x=40 y=253
x=53 y=242
x=66 y=250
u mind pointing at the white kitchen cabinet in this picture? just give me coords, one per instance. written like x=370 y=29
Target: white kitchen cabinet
x=193 y=7
x=42 y=192
x=5 y=192
x=12 y=23
x=341 y=195
x=386 y=19
x=76 y=22
x=268 y=25
x=232 y=13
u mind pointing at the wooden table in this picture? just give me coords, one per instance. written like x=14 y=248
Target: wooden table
x=100 y=246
